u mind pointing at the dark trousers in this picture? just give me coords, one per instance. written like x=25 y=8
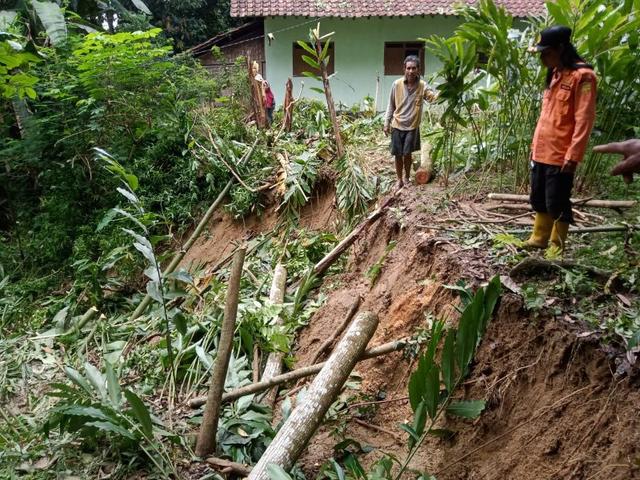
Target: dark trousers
x=551 y=191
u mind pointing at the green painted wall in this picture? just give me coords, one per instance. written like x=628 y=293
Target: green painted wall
x=359 y=52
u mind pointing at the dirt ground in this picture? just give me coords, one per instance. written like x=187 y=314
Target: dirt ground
x=555 y=408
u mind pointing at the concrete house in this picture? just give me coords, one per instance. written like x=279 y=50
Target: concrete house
x=370 y=42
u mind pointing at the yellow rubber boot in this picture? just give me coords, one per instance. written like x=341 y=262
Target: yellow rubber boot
x=559 y=234
x=541 y=231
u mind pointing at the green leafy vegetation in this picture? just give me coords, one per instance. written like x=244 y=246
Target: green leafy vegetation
x=491 y=93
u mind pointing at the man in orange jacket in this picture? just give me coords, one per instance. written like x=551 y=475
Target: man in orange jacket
x=561 y=136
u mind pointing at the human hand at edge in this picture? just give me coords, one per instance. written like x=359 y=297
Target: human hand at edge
x=630 y=164
x=385 y=129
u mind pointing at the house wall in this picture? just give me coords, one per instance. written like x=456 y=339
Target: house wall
x=359 y=52
x=237 y=48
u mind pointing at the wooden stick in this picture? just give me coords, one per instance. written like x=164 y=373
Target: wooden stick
x=178 y=256
x=533 y=264
x=298 y=429
x=273 y=368
x=330 y=104
x=377 y=428
x=297 y=374
x=288 y=106
x=227 y=466
x=601 y=229
x=255 y=364
x=329 y=341
x=334 y=254
x=586 y=202
x=207 y=438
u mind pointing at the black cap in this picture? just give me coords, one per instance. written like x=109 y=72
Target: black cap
x=552 y=37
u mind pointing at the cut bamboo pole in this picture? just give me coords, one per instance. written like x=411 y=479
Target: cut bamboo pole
x=273 y=366
x=339 y=249
x=84 y=319
x=178 y=256
x=345 y=323
x=508 y=197
x=207 y=438
x=297 y=374
x=298 y=429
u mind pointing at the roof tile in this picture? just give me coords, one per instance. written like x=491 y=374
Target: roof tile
x=365 y=8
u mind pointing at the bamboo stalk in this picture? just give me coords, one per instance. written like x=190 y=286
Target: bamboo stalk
x=298 y=429
x=509 y=197
x=273 y=366
x=178 y=256
x=297 y=374
x=84 y=319
x=207 y=438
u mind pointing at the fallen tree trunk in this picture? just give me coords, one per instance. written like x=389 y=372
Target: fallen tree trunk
x=339 y=249
x=273 y=366
x=177 y=258
x=297 y=374
x=207 y=438
x=508 y=197
x=298 y=429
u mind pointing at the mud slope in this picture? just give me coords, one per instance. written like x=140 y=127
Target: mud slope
x=223 y=232
x=554 y=408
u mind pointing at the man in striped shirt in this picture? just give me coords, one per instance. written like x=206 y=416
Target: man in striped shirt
x=404 y=114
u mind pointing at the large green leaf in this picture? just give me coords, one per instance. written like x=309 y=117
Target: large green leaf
x=432 y=394
x=113 y=385
x=140 y=413
x=91 y=412
x=448 y=361
x=466 y=409
x=140 y=5
x=112 y=427
x=96 y=379
x=77 y=378
x=52 y=18
x=419 y=421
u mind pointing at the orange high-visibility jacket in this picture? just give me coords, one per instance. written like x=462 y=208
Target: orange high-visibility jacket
x=567 y=117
